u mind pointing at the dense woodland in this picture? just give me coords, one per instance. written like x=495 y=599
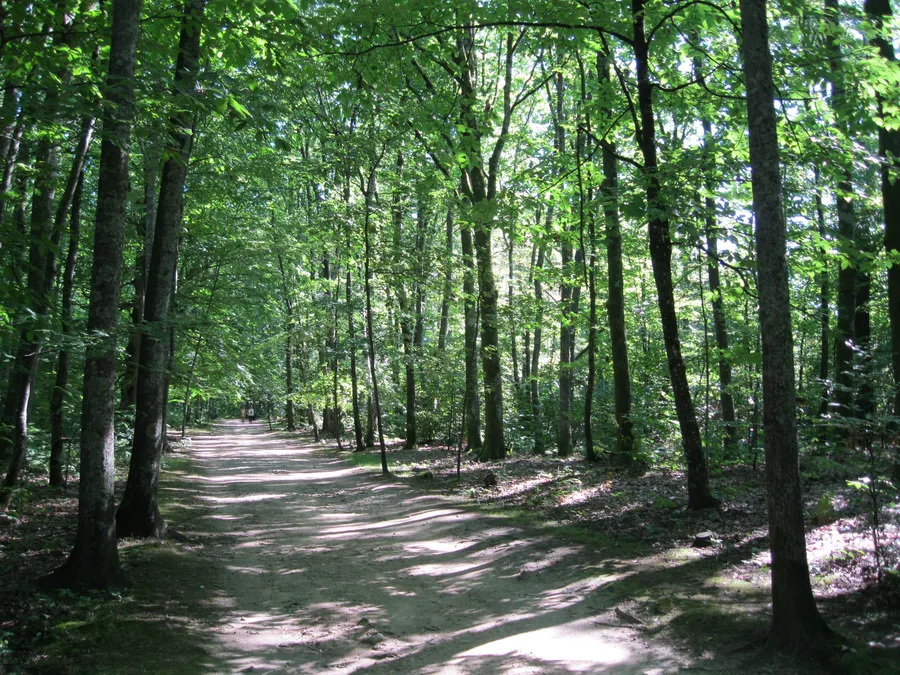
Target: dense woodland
x=655 y=233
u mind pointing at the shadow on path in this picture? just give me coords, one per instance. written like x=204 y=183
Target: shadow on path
x=315 y=566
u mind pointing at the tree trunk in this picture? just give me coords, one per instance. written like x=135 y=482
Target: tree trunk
x=589 y=451
x=354 y=377
x=369 y=440
x=796 y=623
x=480 y=189
x=418 y=336
x=404 y=311
x=288 y=339
x=61 y=384
x=472 y=412
x=198 y=345
x=564 y=429
x=699 y=495
x=370 y=331
x=8 y=118
x=879 y=11
x=510 y=298
x=536 y=408
x=566 y=328
x=94 y=559
x=615 y=304
x=864 y=404
x=847 y=235
x=824 y=312
x=38 y=291
x=448 y=284
x=11 y=140
x=720 y=327
x=138 y=514
x=146 y=226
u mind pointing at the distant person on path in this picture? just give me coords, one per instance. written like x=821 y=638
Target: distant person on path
x=251 y=414
x=243 y=414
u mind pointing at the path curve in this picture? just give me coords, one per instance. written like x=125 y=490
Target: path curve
x=317 y=566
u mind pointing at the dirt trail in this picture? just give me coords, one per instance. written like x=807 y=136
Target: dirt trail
x=317 y=566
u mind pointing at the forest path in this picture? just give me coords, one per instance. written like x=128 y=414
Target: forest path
x=317 y=566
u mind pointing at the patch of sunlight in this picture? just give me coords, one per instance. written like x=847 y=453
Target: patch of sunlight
x=571 y=594
x=382 y=488
x=224 y=517
x=492 y=622
x=439 y=546
x=578 y=644
x=433 y=514
x=338 y=516
x=500 y=550
x=255 y=544
x=441 y=569
x=243 y=498
x=280 y=478
x=551 y=558
x=681 y=554
x=246 y=570
x=468 y=582
x=578 y=497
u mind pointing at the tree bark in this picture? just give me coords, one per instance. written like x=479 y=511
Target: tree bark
x=879 y=11
x=472 y=411
x=796 y=623
x=94 y=559
x=720 y=325
x=615 y=304
x=38 y=291
x=590 y=452
x=138 y=514
x=824 y=311
x=405 y=318
x=146 y=226
x=536 y=407
x=370 y=330
x=480 y=189
x=61 y=383
x=448 y=283
x=354 y=377
x=198 y=346
x=847 y=238
x=566 y=327
x=699 y=495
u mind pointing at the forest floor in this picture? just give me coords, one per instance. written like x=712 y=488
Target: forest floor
x=288 y=557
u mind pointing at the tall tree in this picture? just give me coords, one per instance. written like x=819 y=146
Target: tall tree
x=479 y=186
x=615 y=303
x=138 y=514
x=847 y=231
x=699 y=495
x=45 y=235
x=94 y=560
x=879 y=11
x=797 y=625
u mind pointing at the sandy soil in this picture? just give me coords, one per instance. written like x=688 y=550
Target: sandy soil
x=316 y=566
